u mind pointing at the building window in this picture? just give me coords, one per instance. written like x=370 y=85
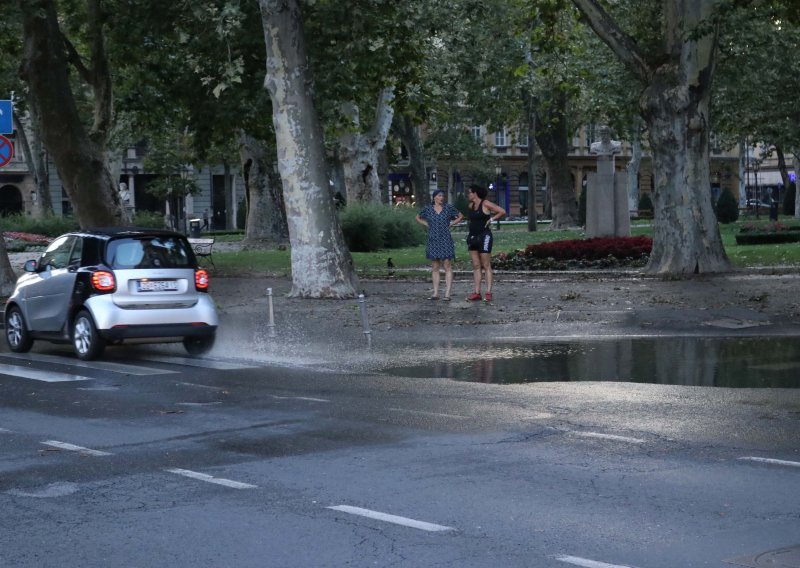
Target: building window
x=477 y=134
x=500 y=138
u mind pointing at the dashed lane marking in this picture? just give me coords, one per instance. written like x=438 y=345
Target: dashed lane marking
x=612 y=437
x=425 y=413
x=771 y=461
x=404 y=521
x=309 y=398
x=211 y=479
x=586 y=563
x=45 y=376
x=6 y=431
x=191 y=362
x=74 y=448
x=101 y=365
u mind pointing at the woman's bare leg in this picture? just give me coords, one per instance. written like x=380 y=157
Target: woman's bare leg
x=448 y=277
x=435 y=264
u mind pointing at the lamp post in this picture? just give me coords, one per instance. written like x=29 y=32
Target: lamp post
x=497 y=170
x=758 y=191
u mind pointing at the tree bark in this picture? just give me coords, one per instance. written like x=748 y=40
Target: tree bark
x=633 y=168
x=408 y=132
x=358 y=151
x=7 y=276
x=322 y=266
x=675 y=107
x=79 y=155
x=797 y=186
x=266 y=216
x=553 y=140
x=532 y=166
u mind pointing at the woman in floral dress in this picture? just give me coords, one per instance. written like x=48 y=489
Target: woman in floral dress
x=438 y=218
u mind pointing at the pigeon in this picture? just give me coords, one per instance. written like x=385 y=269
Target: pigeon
x=389 y=263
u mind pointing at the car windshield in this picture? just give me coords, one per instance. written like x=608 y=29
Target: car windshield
x=149 y=252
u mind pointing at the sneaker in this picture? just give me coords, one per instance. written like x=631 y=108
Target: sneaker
x=488 y=297
x=474 y=297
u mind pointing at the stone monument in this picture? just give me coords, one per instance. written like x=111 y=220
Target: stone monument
x=606 y=193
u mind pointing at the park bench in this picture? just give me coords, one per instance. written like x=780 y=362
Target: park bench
x=202 y=249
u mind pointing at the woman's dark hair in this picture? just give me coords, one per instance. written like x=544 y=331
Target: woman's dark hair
x=481 y=191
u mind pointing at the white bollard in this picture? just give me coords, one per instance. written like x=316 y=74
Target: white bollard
x=362 y=304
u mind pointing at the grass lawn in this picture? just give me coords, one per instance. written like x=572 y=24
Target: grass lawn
x=411 y=261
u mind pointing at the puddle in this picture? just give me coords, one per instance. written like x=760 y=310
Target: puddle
x=690 y=361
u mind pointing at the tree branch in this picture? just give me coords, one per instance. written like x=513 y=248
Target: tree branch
x=619 y=42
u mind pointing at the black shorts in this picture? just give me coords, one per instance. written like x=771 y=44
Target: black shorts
x=481 y=243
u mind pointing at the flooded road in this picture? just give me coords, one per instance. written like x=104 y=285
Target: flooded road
x=689 y=361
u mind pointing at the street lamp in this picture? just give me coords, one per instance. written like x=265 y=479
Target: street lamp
x=497 y=170
x=758 y=191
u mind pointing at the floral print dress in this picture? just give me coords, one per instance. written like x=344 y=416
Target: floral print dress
x=440 y=241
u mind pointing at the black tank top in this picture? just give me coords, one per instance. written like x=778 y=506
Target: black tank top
x=477 y=220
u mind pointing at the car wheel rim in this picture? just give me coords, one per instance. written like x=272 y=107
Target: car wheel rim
x=83 y=336
x=14 y=330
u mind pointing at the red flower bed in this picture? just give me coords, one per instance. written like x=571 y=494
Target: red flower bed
x=592 y=249
x=27 y=237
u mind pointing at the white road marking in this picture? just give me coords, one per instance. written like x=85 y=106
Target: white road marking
x=202 y=386
x=45 y=376
x=212 y=479
x=74 y=448
x=6 y=431
x=440 y=414
x=299 y=398
x=771 y=461
x=191 y=362
x=610 y=437
x=406 y=522
x=586 y=563
x=101 y=365
x=197 y=404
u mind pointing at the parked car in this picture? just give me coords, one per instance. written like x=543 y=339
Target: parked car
x=110 y=286
x=760 y=203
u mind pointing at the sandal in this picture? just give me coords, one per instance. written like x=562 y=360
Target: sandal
x=434 y=298
x=446 y=299
x=474 y=297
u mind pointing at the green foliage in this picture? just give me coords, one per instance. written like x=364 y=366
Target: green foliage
x=148 y=220
x=645 y=203
x=727 y=208
x=49 y=225
x=461 y=204
x=371 y=227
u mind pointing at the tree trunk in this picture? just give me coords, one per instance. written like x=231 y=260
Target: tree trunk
x=633 y=168
x=782 y=167
x=530 y=111
x=7 y=276
x=553 y=140
x=358 y=151
x=322 y=266
x=408 y=132
x=797 y=186
x=79 y=155
x=266 y=216
x=42 y=203
x=675 y=107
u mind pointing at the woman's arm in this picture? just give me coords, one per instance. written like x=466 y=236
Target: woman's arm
x=498 y=212
x=421 y=220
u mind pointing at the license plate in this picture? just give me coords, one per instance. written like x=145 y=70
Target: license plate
x=157 y=285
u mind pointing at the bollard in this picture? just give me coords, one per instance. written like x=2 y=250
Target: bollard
x=271 y=321
x=362 y=304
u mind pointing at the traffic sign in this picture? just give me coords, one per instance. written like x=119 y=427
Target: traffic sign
x=6 y=151
x=6 y=124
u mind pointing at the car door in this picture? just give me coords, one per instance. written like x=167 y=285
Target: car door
x=48 y=293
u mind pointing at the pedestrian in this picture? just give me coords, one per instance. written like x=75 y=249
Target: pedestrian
x=438 y=218
x=479 y=239
x=205 y=218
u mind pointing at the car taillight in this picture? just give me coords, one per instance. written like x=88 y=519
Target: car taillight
x=201 y=279
x=103 y=281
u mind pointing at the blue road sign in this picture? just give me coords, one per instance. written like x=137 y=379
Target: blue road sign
x=6 y=124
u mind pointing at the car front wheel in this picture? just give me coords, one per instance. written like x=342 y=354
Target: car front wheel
x=87 y=342
x=17 y=336
x=198 y=345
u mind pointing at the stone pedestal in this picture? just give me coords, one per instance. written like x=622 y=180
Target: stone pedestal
x=606 y=193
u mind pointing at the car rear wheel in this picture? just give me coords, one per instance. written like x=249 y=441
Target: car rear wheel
x=87 y=342
x=198 y=345
x=17 y=336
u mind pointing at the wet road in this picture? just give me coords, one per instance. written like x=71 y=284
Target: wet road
x=152 y=459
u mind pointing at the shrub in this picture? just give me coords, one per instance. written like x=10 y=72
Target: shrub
x=461 y=203
x=148 y=220
x=727 y=208
x=370 y=227
x=767 y=238
x=49 y=225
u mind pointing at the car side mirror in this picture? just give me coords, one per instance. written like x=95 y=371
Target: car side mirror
x=31 y=266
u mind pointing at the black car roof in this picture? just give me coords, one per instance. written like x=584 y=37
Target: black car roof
x=114 y=232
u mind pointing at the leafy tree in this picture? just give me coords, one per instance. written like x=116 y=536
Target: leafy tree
x=671 y=51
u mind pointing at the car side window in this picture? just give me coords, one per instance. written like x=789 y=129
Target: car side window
x=77 y=253
x=57 y=254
